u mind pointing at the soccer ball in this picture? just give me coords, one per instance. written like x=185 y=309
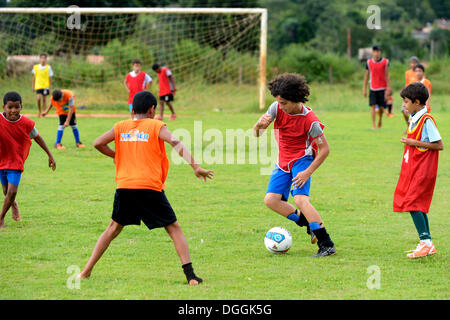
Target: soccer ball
x=278 y=240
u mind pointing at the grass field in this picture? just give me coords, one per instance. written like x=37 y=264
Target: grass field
x=225 y=220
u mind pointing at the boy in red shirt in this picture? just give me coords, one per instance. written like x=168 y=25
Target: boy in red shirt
x=166 y=90
x=16 y=132
x=136 y=81
x=300 y=137
x=377 y=69
x=141 y=170
x=415 y=186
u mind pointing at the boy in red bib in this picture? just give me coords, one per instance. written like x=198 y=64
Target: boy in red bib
x=300 y=137
x=16 y=132
x=166 y=90
x=136 y=81
x=419 y=166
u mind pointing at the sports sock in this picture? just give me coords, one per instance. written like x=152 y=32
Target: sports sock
x=421 y=225
x=76 y=134
x=427 y=223
x=298 y=218
x=294 y=216
x=59 y=134
x=189 y=272
x=323 y=238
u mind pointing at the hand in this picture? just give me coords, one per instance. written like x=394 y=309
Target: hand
x=203 y=173
x=365 y=93
x=174 y=91
x=264 y=121
x=300 y=180
x=66 y=124
x=43 y=114
x=408 y=142
x=51 y=163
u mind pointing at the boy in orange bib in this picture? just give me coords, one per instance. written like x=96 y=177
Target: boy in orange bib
x=419 y=166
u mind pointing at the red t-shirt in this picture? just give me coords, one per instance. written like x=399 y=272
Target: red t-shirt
x=164 y=84
x=377 y=71
x=15 y=142
x=292 y=133
x=135 y=84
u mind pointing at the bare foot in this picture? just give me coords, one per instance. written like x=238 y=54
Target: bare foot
x=2 y=224
x=194 y=282
x=84 y=275
x=15 y=212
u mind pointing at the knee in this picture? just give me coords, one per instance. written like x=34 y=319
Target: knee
x=301 y=201
x=270 y=200
x=114 y=229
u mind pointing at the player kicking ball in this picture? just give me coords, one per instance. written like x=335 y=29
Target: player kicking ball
x=302 y=148
x=141 y=170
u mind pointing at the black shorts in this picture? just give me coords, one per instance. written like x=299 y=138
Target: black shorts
x=63 y=118
x=377 y=97
x=44 y=92
x=152 y=207
x=166 y=98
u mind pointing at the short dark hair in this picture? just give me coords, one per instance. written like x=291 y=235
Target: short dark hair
x=137 y=61
x=57 y=94
x=143 y=101
x=12 y=96
x=420 y=66
x=290 y=86
x=155 y=66
x=376 y=47
x=415 y=91
x=43 y=54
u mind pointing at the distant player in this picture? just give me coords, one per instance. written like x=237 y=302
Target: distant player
x=377 y=71
x=16 y=133
x=389 y=103
x=42 y=82
x=64 y=102
x=410 y=77
x=166 y=90
x=141 y=170
x=418 y=173
x=302 y=148
x=420 y=74
x=136 y=81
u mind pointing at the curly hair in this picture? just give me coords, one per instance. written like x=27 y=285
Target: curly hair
x=290 y=86
x=415 y=91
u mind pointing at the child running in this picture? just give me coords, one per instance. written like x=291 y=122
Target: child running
x=141 y=170
x=302 y=148
x=64 y=102
x=418 y=173
x=16 y=132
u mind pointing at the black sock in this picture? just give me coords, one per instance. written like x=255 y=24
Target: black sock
x=323 y=238
x=189 y=272
x=302 y=222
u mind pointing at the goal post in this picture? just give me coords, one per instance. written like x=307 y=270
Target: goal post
x=210 y=39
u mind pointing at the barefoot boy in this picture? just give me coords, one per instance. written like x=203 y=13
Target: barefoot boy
x=377 y=71
x=16 y=132
x=64 y=102
x=141 y=170
x=42 y=82
x=419 y=166
x=302 y=148
x=166 y=90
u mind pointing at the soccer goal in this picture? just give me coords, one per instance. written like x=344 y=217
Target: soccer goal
x=205 y=48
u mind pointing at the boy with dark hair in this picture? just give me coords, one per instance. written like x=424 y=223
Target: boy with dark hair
x=410 y=77
x=42 y=81
x=64 y=102
x=141 y=170
x=166 y=89
x=300 y=137
x=419 y=70
x=377 y=70
x=16 y=132
x=136 y=81
x=415 y=186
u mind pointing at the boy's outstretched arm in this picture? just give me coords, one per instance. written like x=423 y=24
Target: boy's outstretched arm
x=262 y=124
x=43 y=145
x=101 y=144
x=48 y=109
x=166 y=135
x=324 y=151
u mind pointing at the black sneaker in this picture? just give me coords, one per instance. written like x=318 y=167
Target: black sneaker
x=311 y=233
x=325 y=251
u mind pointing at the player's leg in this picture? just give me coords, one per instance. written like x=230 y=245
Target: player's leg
x=103 y=242
x=372 y=115
x=60 y=132
x=44 y=100
x=75 y=131
x=39 y=98
x=181 y=246
x=10 y=197
x=380 y=102
x=380 y=116
x=161 y=109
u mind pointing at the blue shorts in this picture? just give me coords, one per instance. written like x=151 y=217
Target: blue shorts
x=281 y=181
x=131 y=107
x=10 y=176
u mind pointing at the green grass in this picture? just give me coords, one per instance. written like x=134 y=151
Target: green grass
x=225 y=220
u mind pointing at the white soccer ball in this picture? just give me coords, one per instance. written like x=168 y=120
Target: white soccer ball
x=278 y=240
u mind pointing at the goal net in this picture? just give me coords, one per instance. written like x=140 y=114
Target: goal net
x=216 y=49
